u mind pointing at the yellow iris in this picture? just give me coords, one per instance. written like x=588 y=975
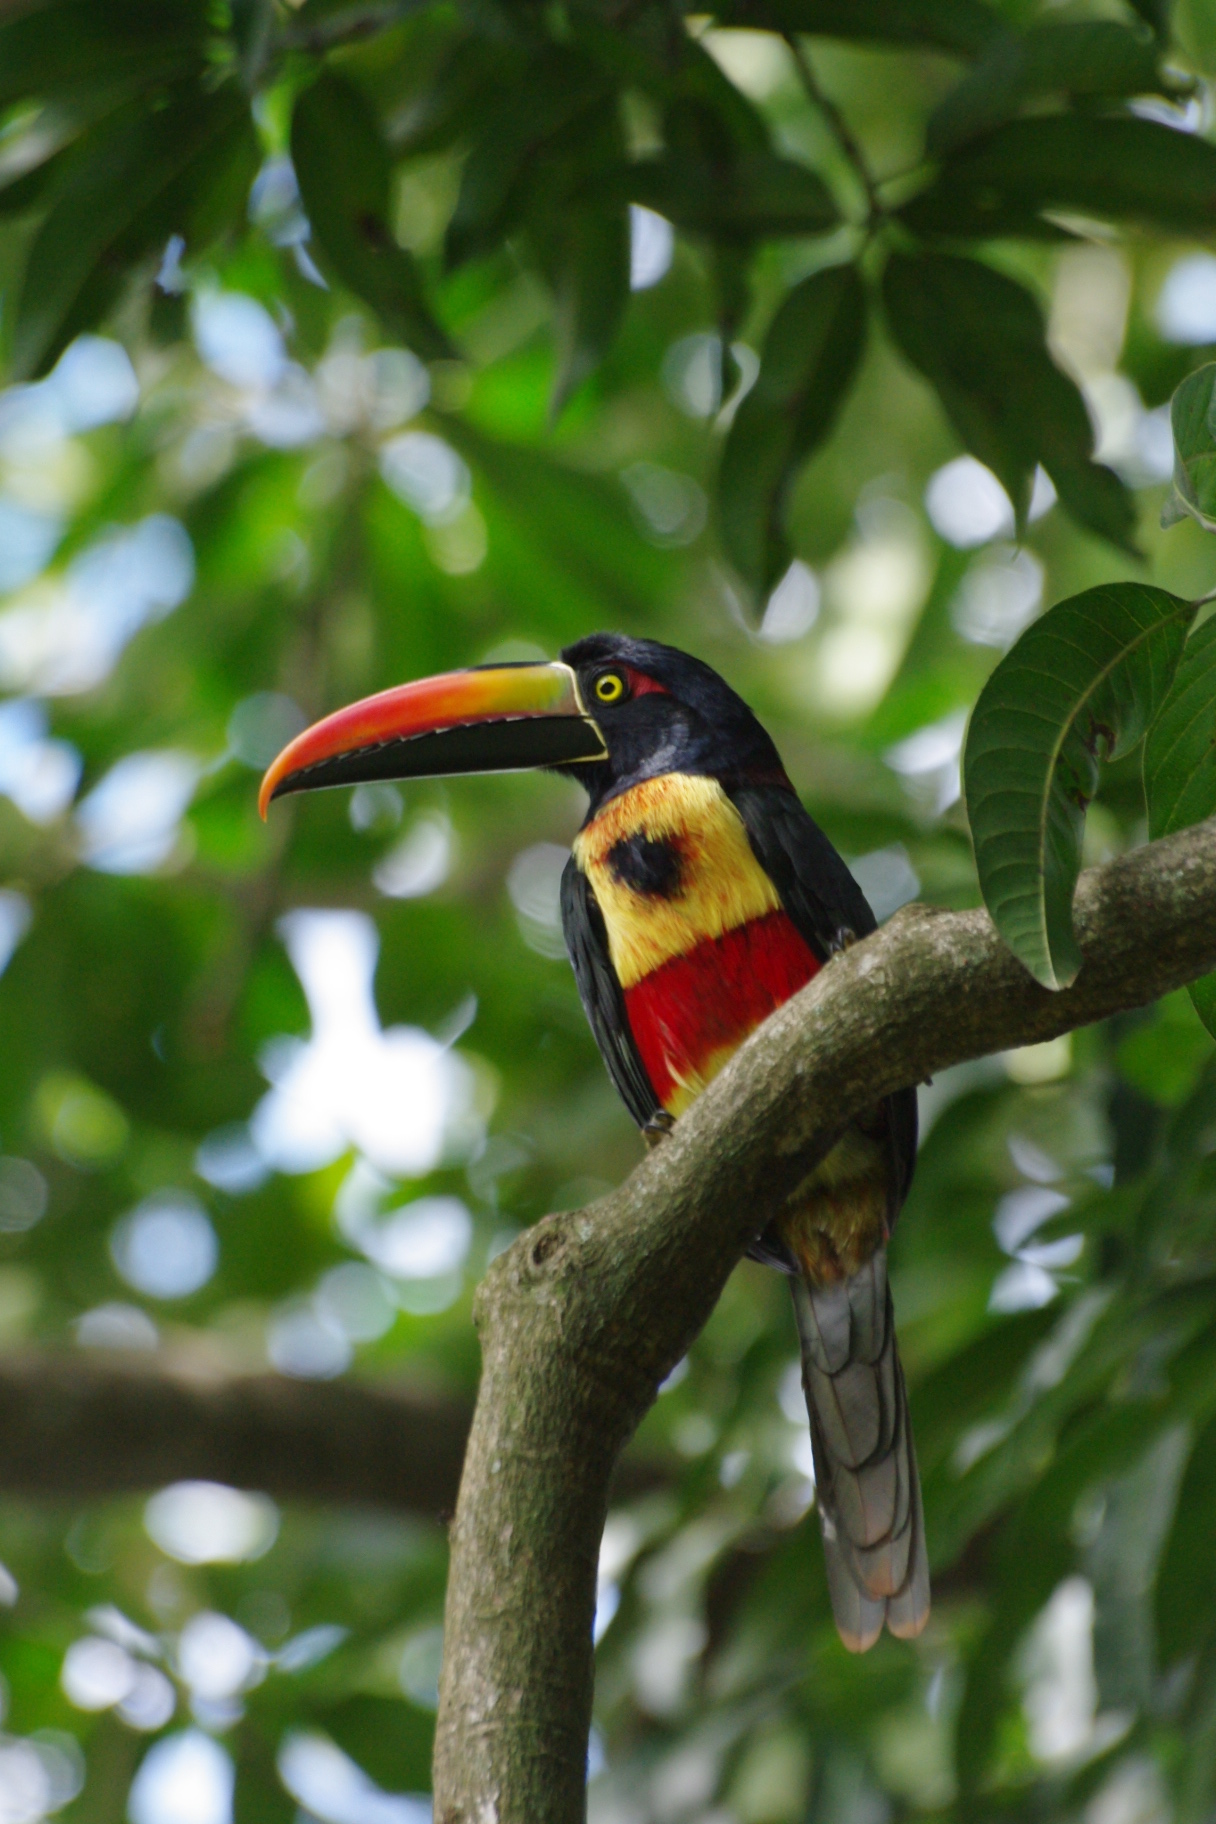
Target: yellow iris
x=610 y=688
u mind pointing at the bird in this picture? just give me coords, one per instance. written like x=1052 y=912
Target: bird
x=698 y=897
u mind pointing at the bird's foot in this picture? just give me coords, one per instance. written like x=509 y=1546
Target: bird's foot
x=658 y=1127
x=844 y=939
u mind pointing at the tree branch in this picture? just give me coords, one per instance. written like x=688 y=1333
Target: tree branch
x=76 y=1426
x=587 y=1313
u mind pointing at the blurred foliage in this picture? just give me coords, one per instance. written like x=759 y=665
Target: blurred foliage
x=351 y=341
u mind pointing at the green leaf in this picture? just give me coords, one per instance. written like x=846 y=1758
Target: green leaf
x=563 y=537
x=1196 y=26
x=810 y=355
x=1081 y=685
x=68 y=53
x=679 y=76
x=1155 y=14
x=1079 y=58
x=452 y=103
x=1193 y=421
x=705 y=113
x=343 y=170
x=541 y=140
x=131 y=182
x=1180 y=753
x=962 y=26
x=592 y=291
x=252 y=27
x=756 y=195
x=718 y=175
x=979 y=339
x=26 y=189
x=1186 y=1581
x=729 y=265
x=1123 y=169
x=584 y=248
x=1180 y=764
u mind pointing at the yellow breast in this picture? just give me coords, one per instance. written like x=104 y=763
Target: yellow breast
x=721 y=884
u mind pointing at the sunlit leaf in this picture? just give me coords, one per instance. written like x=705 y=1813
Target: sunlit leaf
x=1193 y=421
x=807 y=365
x=1081 y=686
x=979 y=338
x=1124 y=170
x=1180 y=763
x=342 y=166
x=1063 y=59
x=1197 y=29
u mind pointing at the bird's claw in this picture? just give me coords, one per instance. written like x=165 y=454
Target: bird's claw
x=844 y=939
x=658 y=1127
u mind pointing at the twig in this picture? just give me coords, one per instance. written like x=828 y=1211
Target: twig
x=349 y=27
x=837 y=122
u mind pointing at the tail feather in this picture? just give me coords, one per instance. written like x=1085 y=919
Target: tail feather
x=883 y=1568
x=909 y=1612
x=865 y=1464
x=864 y=1501
x=850 y=1319
x=869 y=1309
x=859 y=1617
x=849 y=1408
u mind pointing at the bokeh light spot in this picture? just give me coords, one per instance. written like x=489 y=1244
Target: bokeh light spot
x=333 y=1788
x=166 y=1247
x=185 y=1778
x=209 y=1523
x=129 y=822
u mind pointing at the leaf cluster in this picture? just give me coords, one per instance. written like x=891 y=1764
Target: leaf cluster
x=562 y=119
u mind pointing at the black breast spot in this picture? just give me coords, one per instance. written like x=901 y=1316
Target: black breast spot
x=647 y=866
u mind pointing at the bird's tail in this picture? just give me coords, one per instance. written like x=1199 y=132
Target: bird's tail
x=867 y=1488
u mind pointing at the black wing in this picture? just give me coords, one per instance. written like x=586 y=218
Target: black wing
x=601 y=994
x=824 y=902
x=817 y=890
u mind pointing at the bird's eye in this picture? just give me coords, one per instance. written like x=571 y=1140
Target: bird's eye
x=610 y=687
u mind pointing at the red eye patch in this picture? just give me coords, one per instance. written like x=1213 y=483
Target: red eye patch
x=642 y=686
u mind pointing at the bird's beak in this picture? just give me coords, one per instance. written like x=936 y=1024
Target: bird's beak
x=492 y=719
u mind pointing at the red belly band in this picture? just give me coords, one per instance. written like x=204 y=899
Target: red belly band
x=692 y=1012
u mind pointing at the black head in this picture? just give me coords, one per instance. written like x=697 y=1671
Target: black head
x=662 y=711
x=612 y=711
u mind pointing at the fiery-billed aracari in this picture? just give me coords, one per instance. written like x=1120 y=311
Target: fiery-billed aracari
x=699 y=896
